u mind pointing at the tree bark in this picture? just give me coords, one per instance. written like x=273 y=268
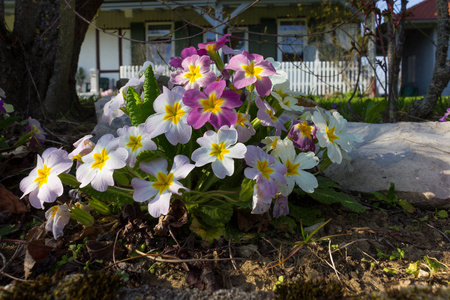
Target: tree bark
x=396 y=42
x=423 y=109
x=40 y=56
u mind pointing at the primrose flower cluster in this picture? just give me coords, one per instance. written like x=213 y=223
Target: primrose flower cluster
x=240 y=129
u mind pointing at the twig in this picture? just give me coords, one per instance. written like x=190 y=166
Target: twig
x=448 y=239
x=156 y=257
x=114 y=247
x=233 y=262
x=331 y=259
x=171 y=234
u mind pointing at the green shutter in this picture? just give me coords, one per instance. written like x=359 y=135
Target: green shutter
x=183 y=32
x=264 y=44
x=137 y=32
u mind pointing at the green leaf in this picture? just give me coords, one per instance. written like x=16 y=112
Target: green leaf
x=307 y=216
x=134 y=106
x=246 y=189
x=207 y=233
x=112 y=195
x=69 y=180
x=148 y=155
x=23 y=139
x=7 y=122
x=374 y=110
x=151 y=89
x=442 y=214
x=330 y=196
x=6 y=229
x=406 y=206
x=214 y=212
x=121 y=178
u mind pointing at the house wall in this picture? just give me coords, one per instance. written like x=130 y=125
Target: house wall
x=108 y=54
x=418 y=54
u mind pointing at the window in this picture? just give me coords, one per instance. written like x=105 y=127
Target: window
x=209 y=36
x=239 y=38
x=160 y=47
x=291 y=47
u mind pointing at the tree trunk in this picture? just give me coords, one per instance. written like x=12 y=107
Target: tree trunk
x=396 y=40
x=39 y=57
x=422 y=109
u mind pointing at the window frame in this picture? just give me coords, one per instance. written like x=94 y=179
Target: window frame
x=240 y=29
x=280 y=38
x=148 y=37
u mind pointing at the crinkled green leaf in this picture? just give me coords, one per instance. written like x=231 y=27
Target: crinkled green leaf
x=112 y=195
x=6 y=229
x=246 y=189
x=151 y=89
x=69 y=180
x=307 y=216
x=214 y=212
x=121 y=178
x=207 y=233
x=148 y=155
x=330 y=196
x=7 y=122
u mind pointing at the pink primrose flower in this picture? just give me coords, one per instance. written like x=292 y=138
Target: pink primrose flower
x=186 y=52
x=303 y=134
x=266 y=114
x=196 y=72
x=265 y=169
x=216 y=45
x=35 y=127
x=252 y=69
x=214 y=105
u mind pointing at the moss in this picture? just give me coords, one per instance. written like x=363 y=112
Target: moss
x=301 y=289
x=90 y=285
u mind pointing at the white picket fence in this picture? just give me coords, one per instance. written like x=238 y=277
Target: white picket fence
x=311 y=77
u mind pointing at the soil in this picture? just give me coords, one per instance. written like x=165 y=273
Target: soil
x=354 y=255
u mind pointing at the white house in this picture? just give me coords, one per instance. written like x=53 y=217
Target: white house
x=420 y=49
x=155 y=31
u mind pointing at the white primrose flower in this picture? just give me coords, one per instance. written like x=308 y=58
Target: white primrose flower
x=270 y=143
x=82 y=147
x=295 y=164
x=244 y=128
x=286 y=98
x=160 y=191
x=43 y=183
x=99 y=165
x=331 y=133
x=170 y=117
x=57 y=217
x=219 y=149
x=135 y=140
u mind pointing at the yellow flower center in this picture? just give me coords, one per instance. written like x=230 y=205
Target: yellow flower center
x=173 y=113
x=263 y=167
x=305 y=129
x=100 y=159
x=134 y=143
x=193 y=74
x=291 y=168
x=271 y=114
x=42 y=175
x=330 y=134
x=164 y=182
x=241 y=120
x=274 y=144
x=211 y=47
x=212 y=104
x=55 y=210
x=219 y=150
x=252 y=71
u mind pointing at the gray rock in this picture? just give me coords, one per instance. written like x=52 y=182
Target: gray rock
x=414 y=156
